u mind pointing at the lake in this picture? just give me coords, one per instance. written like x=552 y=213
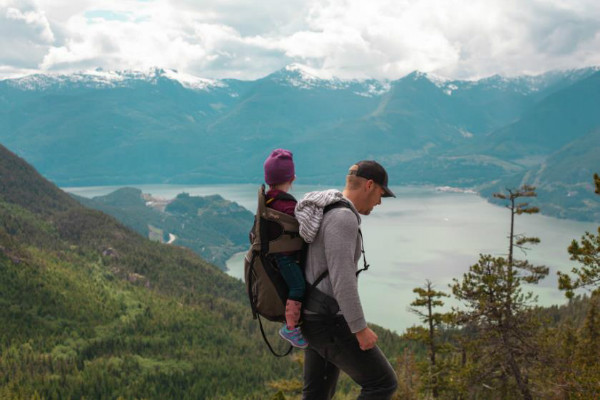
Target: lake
x=422 y=234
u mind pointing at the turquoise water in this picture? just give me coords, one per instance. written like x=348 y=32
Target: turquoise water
x=422 y=234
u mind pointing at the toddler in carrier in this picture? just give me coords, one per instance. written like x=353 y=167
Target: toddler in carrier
x=279 y=175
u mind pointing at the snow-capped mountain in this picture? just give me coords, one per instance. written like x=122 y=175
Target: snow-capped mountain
x=111 y=127
x=303 y=77
x=298 y=76
x=101 y=79
x=525 y=85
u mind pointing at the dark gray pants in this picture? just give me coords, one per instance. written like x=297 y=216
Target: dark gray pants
x=331 y=348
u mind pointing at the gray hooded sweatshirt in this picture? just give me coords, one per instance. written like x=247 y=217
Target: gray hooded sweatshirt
x=335 y=247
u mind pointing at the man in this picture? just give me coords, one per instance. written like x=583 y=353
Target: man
x=334 y=324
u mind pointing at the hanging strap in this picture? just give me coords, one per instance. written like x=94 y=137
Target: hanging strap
x=364 y=255
x=256 y=315
x=262 y=331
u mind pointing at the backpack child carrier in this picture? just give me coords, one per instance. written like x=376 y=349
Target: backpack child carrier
x=267 y=290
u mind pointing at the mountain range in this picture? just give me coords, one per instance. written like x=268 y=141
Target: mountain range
x=104 y=127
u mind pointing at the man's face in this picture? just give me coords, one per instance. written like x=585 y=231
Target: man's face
x=374 y=192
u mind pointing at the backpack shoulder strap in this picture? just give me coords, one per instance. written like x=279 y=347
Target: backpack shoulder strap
x=337 y=204
x=281 y=196
x=318 y=301
x=343 y=204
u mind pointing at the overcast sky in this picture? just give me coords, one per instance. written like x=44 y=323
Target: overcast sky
x=248 y=39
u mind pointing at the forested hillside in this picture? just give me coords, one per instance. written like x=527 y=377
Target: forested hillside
x=90 y=309
x=211 y=226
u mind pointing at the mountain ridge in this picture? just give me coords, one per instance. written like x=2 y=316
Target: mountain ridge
x=424 y=129
x=294 y=73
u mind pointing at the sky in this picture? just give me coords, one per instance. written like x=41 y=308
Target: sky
x=349 y=39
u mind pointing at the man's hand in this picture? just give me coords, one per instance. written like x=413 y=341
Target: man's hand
x=366 y=338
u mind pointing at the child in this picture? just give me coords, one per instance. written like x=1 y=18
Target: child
x=279 y=175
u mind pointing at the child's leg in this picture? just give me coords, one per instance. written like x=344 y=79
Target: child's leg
x=294 y=278
x=292 y=313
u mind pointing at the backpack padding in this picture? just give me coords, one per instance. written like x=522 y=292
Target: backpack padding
x=289 y=227
x=267 y=289
x=271 y=309
x=274 y=285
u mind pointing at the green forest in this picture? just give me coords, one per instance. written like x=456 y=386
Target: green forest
x=90 y=309
x=211 y=226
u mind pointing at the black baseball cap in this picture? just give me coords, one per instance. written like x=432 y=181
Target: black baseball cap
x=370 y=169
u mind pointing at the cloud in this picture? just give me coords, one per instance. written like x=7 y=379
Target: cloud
x=346 y=38
x=159 y=35
x=26 y=34
x=251 y=18
x=452 y=38
x=386 y=39
x=202 y=41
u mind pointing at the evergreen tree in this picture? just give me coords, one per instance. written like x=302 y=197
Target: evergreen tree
x=498 y=310
x=428 y=298
x=587 y=253
x=585 y=370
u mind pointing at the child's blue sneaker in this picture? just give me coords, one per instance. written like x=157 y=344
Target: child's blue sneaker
x=294 y=336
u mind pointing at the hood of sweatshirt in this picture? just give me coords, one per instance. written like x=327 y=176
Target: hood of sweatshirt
x=309 y=211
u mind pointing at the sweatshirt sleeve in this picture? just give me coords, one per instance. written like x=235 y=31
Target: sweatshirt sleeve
x=340 y=233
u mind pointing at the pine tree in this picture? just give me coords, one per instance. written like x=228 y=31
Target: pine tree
x=428 y=298
x=587 y=253
x=497 y=308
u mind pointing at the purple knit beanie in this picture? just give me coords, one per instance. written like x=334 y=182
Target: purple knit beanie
x=279 y=167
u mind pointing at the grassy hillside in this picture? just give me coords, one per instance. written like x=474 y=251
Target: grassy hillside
x=90 y=309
